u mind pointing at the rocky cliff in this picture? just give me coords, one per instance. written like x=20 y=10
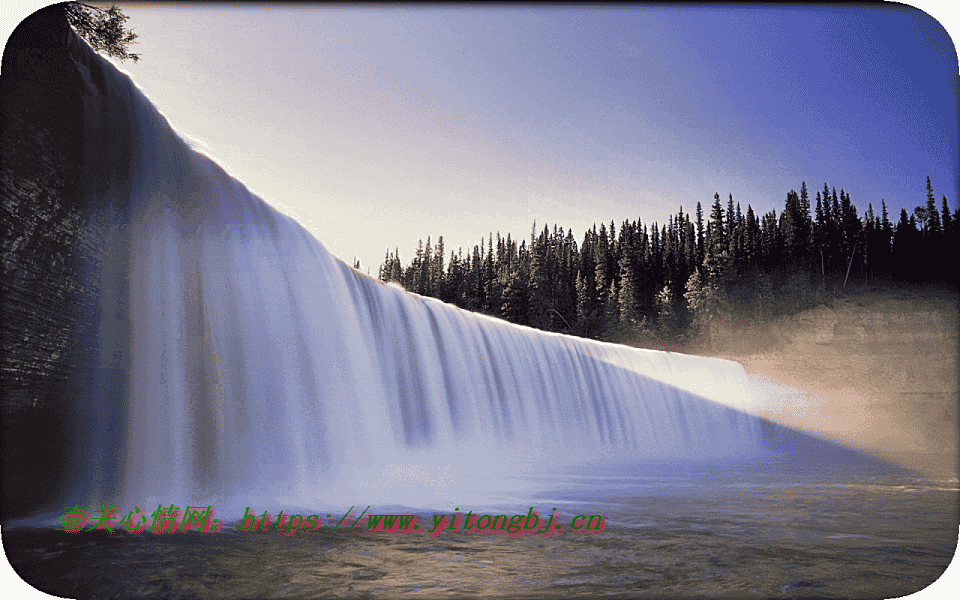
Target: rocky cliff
x=48 y=240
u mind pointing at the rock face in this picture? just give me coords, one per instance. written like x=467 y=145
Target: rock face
x=38 y=180
x=43 y=239
x=877 y=370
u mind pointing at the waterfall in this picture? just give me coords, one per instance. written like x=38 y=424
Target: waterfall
x=235 y=361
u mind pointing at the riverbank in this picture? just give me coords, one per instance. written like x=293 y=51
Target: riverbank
x=875 y=369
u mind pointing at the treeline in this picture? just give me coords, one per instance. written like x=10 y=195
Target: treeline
x=672 y=279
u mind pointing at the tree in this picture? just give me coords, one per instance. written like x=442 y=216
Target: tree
x=731 y=226
x=455 y=279
x=752 y=237
x=771 y=242
x=945 y=218
x=703 y=302
x=628 y=279
x=437 y=283
x=904 y=250
x=806 y=224
x=716 y=242
x=103 y=29
x=932 y=217
x=700 y=251
x=491 y=288
x=791 y=228
x=689 y=250
x=539 y=286
x=666 y=312
x=585 y=314
x=515 y=297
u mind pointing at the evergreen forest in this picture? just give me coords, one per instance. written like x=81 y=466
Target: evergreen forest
x=667 y=282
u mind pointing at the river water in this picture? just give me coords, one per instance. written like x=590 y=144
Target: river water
x=803 y=526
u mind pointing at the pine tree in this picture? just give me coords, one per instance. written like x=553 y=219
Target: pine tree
x=836 y=236
x=491 y=290
x=437 y=279
x=752 y=238
x=717 y=265
x=566 y=303
x=647 y=281
x=770 y=241
x=601 y=251
x=819 y=239
x=586 y=297
x=471 y=284
x=871 y=238
x=703 y=302
x=515 y=297
x=584 y=312
x=689 y=249
x=655 y=259
x=700 y=234
x=947 y=221
x=454 y=279
x=805 y=207
x=791 y=229
x=905 y=257
x=629 y=315
x=383 y=273
x=884 y=260
x=426 y=266
x=850 y=225
x=611 y=308
x=716 y=242
x=413 y=277
x=669 y=251
x=396 y=268
x=539 y=286
x=666 y=313
x=932 y=216
x=731 y=226
x=739 y=235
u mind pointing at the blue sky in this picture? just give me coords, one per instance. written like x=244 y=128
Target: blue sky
x=376 y=127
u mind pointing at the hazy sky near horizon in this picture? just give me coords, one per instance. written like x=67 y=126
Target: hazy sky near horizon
x=375 y=127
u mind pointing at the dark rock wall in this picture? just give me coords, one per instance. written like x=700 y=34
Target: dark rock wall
x=51 y=243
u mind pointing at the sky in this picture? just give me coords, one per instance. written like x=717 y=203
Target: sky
x=377 y=127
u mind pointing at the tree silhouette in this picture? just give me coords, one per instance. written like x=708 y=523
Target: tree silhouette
x=102 y=28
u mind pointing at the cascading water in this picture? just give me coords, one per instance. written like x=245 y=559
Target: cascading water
x=237 y=362
x=200 y=348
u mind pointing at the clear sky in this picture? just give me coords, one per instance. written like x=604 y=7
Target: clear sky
x=375 y=127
